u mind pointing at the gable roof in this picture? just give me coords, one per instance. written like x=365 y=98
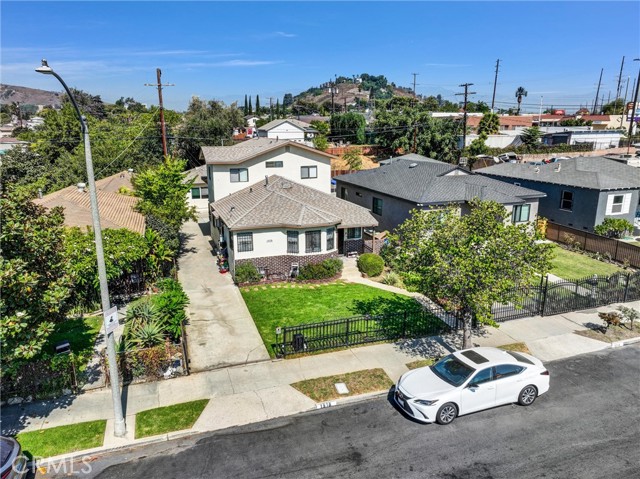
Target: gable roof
x=241 y=152
x=280 y=203
x=116 y=210
x=198 y=174
x=429 y=181
x=297 y=123
x=595 y=172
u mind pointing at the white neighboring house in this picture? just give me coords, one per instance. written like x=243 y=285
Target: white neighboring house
x=7 y=143
x=250 y=120
x=280 y=225
x=288 y=129
x=199 y=194
x=232 y=168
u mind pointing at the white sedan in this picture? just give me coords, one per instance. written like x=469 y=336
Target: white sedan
x=468 y=381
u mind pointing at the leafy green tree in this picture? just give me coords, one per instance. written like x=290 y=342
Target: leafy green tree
x=520 y=92
x=614 y=107
x=22 y=167
x=89 y=104
x=36 y=287
x=287 y=101
x=576 y=122
x=489 y=124
x=479 y=107
x=614 y=227
x=163 y=195
x=353 y=158
x=531 y=136
x=320 y=142
x=468 y=262
x=130 y=104
x=477 y=147
x=349 y=127
x=400 y=125
x=205 y=123
x=322 y=127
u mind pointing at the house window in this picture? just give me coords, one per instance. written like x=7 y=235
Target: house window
x=343 y=193
x=521 y=213
x=330 y=238
x=312 y=241
x=292 y=242
x=377 y=206
x=245 y=242
x=274 y=164
x=358 y=194
x=199 y=192
x=308 y=172
x=618 y=204
x=354 y=233
x=239 y=175
x=566 y=200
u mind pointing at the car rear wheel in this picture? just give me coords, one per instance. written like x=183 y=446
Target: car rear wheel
x=447 y=413
x=527 y=395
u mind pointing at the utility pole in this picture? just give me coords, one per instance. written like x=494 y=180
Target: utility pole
x=414 y=83
x=540 y=112
x=464 y=128
x=332 y=85
x=595 y=104
x=495 y=82
x=270 y=108
x=163 y=128
x=615 y=110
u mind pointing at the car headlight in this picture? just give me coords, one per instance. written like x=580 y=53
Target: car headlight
x=425 y=402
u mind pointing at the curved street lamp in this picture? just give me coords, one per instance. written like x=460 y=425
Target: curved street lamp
x=119 y=425
x=634 y=107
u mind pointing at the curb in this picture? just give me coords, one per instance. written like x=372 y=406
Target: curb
x=625 y=342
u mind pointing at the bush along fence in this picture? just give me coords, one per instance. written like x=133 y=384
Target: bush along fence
x=346 y=332
x=607 y=247
x=549 y=297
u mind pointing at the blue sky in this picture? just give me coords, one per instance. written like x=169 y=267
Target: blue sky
x=224 y=50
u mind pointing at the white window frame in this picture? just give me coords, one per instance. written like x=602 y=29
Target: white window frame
x=239 y=174
x=621 y=207
x=311 y=172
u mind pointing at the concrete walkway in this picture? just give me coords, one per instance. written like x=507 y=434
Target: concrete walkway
x=220 y=331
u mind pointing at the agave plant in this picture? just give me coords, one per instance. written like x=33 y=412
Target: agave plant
x=146 y=335
x=141 y=312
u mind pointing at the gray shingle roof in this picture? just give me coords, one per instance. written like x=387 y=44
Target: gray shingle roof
x=425 y=181
x=246 y=150
x=285 y=203
x=595 y=172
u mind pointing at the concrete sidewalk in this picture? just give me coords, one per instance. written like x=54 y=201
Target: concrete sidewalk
x=261 y=390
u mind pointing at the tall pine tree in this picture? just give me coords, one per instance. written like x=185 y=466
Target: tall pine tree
x=258 y=105
x=250 y=107
x=246 y=106
x=278 y=108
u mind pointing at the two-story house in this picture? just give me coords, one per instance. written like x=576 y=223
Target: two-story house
x=288 y=129
x=232 y=168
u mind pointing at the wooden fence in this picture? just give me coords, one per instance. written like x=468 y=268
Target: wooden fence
x=615 y=249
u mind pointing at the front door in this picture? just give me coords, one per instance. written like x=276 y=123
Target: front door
x=341 y=241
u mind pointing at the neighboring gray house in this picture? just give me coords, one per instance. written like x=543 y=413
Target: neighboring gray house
x=278 y=224
x=580 y=192
x=417 y=182
x=287 y=129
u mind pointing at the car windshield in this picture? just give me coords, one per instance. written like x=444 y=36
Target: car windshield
x=452 y=370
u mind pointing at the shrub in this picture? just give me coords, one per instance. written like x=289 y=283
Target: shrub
x=246 y=273
x=393 y=279
x=326 y=269
x=370 y=264
x=614 y=227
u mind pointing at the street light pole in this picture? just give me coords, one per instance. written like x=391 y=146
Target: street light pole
x=634 y=107
x=119 y=425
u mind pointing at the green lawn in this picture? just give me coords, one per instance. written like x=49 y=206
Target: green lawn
x=570 y=265
x=294 y=304
x=62 y=439
x=80 y=332
x=170 y=418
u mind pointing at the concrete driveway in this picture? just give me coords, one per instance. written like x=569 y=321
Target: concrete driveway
x=220 y=331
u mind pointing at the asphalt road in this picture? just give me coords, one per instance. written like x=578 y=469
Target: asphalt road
x=586 y=426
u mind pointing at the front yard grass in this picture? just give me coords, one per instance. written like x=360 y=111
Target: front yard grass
x=570 y=265
x=80 y=332
x=358 y=382
x=62 y=439
x=294 y=304
x=420 y=363
x=166 y=419
x=517 y=347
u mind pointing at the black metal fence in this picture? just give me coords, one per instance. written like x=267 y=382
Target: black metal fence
x=556 y=297
x=356 y=330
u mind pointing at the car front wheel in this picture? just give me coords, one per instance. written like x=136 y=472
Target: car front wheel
x=447 y=413
x=527 y=395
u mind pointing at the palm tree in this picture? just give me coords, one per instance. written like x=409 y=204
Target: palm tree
x=520 y=92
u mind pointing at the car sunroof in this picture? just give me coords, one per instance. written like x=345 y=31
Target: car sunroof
x=475 y=357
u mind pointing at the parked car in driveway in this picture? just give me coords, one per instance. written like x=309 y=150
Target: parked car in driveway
x=13 y=464
x=468 y=381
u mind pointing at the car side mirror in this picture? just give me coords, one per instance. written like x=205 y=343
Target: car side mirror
x=472 y=385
